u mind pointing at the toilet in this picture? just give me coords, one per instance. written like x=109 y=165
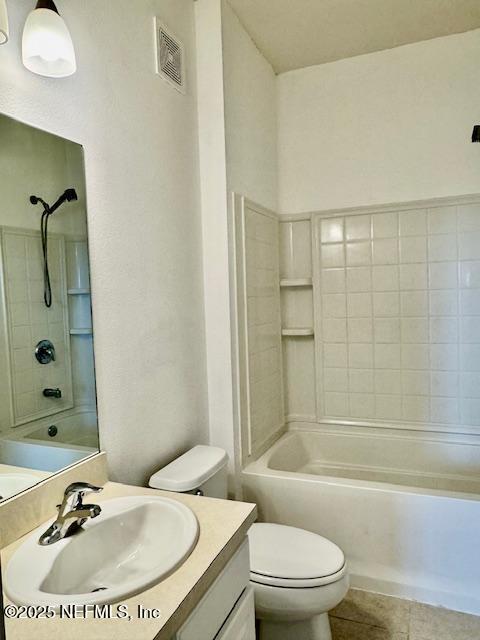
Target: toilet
x=298 y=576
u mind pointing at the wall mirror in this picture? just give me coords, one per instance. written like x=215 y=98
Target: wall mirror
x=48 y=416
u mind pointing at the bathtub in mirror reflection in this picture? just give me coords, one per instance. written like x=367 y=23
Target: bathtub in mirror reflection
x=48 y=416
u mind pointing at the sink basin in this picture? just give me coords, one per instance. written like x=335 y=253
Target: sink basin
x=13 y=483
x=134 y=543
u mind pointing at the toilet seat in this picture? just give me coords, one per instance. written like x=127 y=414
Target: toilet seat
x=288 y=557
x=273 y=581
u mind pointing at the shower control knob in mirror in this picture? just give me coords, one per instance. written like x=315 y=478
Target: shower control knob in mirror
x=52 y=393
x=45 y=352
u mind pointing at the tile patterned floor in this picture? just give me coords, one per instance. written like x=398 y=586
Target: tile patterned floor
x=369 y=616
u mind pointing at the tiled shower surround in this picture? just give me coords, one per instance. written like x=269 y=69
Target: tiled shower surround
x=263 y=317
x=378 y=312
x=399 y=315
x=29 y=321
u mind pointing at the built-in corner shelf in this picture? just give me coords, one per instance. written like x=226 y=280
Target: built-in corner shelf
x=296 y=282
x=299 y=331
x=78 y=292
x=81 y=332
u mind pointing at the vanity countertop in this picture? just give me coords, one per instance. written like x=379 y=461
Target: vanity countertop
x=223 y=526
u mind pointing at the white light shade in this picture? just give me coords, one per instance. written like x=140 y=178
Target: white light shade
x=3 y=22
x=47 y=47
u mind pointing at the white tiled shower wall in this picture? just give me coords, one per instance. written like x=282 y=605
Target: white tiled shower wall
x=297 y=311
x=30 y=321
x=263 y=316
x=400 y=315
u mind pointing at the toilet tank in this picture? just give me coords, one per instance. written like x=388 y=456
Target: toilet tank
x=201 y=471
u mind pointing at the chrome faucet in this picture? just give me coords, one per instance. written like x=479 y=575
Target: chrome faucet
x=72 y=513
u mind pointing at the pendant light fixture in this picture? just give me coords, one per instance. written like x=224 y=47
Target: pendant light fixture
x=47 y=47
x=3 y=22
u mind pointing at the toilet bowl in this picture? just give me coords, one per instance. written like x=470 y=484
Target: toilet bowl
x=298 y=576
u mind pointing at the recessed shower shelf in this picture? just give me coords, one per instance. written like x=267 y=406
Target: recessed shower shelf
x=300 y=331
x=78 y=292
x=81 y=332
x=296 y=282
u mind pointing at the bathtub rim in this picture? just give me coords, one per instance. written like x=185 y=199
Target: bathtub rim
x=260 y=467
x=23 y=432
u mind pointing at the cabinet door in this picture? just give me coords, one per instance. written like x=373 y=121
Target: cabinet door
x=240 y=624
x=216 y=606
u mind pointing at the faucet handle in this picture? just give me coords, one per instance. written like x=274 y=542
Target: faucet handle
x=77 y=491
x=81 y=487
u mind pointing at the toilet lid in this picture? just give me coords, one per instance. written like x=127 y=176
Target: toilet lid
x=280 y=554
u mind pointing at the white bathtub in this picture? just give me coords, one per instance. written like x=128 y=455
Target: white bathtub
x=79 y=429
x=405 y=509
x=32 y=446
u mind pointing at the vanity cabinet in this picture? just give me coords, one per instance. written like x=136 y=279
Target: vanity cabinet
x=226 y=611
x=240 y=624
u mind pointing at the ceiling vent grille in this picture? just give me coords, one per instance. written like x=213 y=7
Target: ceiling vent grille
x=170 y=57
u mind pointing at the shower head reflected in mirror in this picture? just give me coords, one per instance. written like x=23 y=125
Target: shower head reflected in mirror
x=67 y=196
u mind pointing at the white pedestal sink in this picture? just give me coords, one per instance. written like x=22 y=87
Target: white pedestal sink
x=133 y=544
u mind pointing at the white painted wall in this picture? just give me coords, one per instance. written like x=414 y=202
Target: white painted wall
x=250 y=115
x=140 y=140
x=386 y=127
x=213 y=171
x=238 y=153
